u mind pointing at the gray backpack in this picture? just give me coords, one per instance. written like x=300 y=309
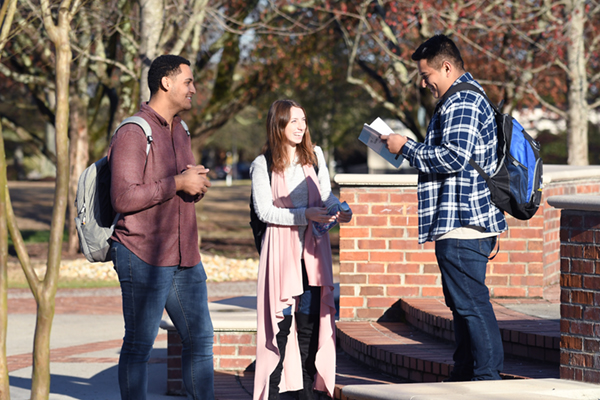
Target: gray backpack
x=95 y=222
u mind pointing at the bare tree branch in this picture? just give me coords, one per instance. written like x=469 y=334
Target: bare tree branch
x=104 y=60
x=531 y=90
x=40 y=144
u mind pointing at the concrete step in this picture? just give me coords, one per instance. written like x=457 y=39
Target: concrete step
x=523 y=335
x=402 y=350
x=530 y=389
x=239 y=385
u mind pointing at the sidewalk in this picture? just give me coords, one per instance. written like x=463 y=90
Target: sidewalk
x=85 y=343
x=87 y=335
x=86 y=340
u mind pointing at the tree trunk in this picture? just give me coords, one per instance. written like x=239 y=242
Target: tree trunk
x=78 y=129
x=79 y=156
x=4 y=383
x=7 y=13
x=151 y=26
x=45 y=291
x=40 y=379
x=577 y=121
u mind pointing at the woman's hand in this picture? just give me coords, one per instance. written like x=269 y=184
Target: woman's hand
x=318 y=214
x=344 y=217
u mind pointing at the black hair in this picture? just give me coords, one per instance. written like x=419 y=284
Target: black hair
x=166 y=65
x=436 y=50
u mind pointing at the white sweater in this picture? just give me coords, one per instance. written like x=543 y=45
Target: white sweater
x=296 y=183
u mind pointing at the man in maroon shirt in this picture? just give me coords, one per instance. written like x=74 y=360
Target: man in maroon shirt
x=155 y=242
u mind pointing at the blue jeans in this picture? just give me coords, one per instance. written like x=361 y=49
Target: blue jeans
x=309 y=302
x=147 y=291
x=479 y=351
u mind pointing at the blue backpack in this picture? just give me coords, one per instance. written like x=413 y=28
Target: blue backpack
x=516 y=185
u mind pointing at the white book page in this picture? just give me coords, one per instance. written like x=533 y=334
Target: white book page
x=380 y=126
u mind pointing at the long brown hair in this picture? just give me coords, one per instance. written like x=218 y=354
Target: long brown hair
x=277 y=119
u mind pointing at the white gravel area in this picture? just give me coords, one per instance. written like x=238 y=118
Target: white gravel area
x=218 y=269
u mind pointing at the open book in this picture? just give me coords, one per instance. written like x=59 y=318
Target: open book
x=371 y=136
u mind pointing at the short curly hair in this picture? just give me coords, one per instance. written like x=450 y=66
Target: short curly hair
x=166 y=65
x=438 y=49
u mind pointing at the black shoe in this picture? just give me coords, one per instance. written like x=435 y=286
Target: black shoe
x=454 y=378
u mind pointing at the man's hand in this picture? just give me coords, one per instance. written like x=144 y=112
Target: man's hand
x=394 y=142
x=193 y=180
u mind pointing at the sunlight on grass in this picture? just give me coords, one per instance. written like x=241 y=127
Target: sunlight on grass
x=31 y=236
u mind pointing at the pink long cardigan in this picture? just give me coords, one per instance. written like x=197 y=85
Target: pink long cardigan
x=279 y=282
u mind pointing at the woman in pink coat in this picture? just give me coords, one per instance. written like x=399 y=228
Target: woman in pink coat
x=291 y=190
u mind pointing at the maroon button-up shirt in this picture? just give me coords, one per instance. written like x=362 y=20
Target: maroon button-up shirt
x=157 y=223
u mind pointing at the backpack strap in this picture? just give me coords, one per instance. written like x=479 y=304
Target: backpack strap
x=465 y=86
x=269 y=161
x=187 y=130
x=142 y=123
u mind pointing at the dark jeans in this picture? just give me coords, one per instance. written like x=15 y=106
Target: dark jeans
x=309 y=302
x=147 y=291
x=479 y=351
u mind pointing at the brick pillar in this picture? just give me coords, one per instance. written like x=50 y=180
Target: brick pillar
x=552 y=228
x=174 y=378
x=580 y=295
x=234 y=350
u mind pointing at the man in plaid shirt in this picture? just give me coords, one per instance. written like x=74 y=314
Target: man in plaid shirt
x=455 y=209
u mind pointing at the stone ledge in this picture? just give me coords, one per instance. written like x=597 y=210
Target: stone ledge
x=552 y=173
x=530 y=389
x=576 y=202
x=376 y=179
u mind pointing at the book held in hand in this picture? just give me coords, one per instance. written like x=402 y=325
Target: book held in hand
x=371 y=136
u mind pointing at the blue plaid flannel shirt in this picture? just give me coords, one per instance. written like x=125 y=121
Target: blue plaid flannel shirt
x=451 y=192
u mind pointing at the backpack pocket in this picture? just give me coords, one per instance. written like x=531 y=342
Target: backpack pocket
x=518 y=177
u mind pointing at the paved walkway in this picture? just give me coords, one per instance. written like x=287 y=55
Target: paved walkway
x=85 y=342
x=87 y=335
x=86 y=339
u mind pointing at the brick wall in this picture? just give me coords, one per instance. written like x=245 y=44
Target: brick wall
x=233 y=351
x=381 y=261
x=551 y=238
x=580 y=295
